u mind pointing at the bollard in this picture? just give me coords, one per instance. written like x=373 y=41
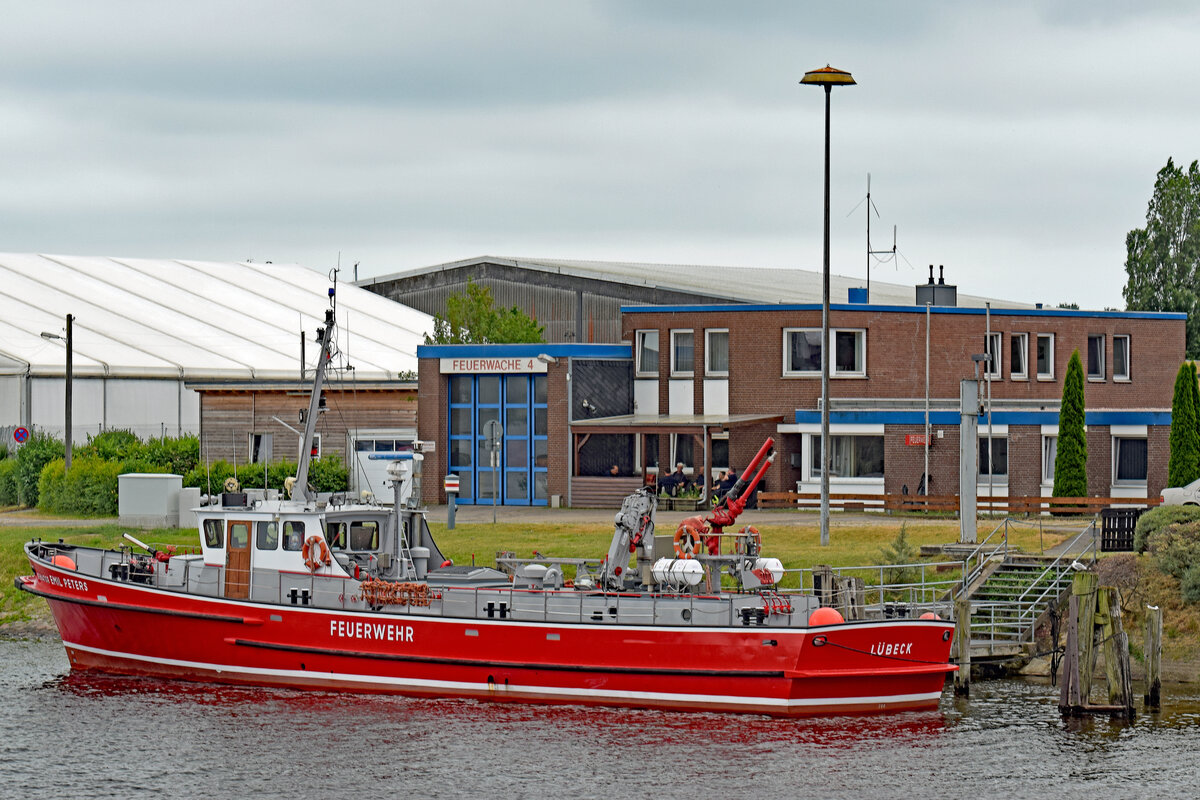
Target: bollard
x=962 y=645
x=1154 y=630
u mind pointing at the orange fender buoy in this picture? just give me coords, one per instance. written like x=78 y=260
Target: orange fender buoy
x=825 y=616
x=65 y=562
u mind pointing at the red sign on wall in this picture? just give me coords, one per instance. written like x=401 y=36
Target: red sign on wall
x=914 y=439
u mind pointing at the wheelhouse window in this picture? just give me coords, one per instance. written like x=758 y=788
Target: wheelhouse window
x=647 y=354
x=214 y=533
x=1018 y=367
x=993 y=457
x=335 y=535
x=1120 y=368
x=1129 y=460
x=293 y=535
x=850 y=456
x=364 y=535
x=1045 y=356
x=802 y=352
x=683 y=353
x=991 y=347
x=716 y=352
x=1095 y=357
x=267 y=536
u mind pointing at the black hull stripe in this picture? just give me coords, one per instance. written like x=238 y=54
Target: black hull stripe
x=463 y=662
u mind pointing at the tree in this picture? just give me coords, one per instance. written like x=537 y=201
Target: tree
x=1184 y=464
x=472 y=319
x=1162 y=259
x=1070 y=460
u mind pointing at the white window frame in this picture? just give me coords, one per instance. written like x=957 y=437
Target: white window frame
x=1045 y=376
x=708 y=370
x=688 y=469
x=834 y=372
x=861 y=335
x=787 y=350
x=1049 y=454
x=680 y=370
x=1023 y=349
x=639 y=339
x=1125 y=376
x=998 y=478
x=1116 y=457
x=814 y=463
x=1088 y=367
x=993 y=345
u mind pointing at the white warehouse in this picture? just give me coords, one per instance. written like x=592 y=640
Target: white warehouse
x=147 y=333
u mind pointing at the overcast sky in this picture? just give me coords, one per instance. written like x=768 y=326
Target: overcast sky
x=1016 y=143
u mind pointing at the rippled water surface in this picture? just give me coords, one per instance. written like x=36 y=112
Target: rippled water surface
x=66 y=735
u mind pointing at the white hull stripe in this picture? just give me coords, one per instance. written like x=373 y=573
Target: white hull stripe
x=556 y=691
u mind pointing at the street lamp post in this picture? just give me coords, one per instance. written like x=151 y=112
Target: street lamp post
x=69 y=380
x=827 y=77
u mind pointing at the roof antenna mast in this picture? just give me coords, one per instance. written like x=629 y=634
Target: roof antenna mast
x=870 y=252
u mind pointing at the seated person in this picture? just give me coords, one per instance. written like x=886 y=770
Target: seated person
x=727 y=482
x=615 y=471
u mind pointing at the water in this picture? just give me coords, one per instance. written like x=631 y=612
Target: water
x=67 y=735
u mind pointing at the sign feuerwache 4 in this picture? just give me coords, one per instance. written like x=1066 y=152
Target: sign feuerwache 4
x=508 y=365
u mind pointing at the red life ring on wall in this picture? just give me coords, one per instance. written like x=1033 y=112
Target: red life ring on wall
x=315 y=553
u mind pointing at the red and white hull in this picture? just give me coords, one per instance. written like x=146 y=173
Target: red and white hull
x=855 y=667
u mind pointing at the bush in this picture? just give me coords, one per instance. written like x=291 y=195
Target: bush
x=1158 y=518
x=1189 y=587
x=177 y=456
x=901 y=551
x=250 y=476
x=1176 y=547
x=8 y=482
x=329 y=474
x=36 y=453
x=115 y=445
x=90 y=489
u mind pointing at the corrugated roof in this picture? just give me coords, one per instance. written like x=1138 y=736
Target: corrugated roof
x=198 y=320
x=723 y=284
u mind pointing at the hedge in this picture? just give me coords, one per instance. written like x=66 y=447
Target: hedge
x=88 y=490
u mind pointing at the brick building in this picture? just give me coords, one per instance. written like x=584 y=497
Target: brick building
x=706 y=384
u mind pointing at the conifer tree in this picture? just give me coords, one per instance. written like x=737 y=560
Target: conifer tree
x=1184 y=464
x=1070 y=461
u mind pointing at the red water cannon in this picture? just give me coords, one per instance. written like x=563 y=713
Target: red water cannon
x=733 y=502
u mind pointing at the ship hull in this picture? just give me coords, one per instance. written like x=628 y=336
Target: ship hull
x=857 y=667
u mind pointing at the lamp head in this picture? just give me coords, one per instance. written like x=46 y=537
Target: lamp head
x=828 y=76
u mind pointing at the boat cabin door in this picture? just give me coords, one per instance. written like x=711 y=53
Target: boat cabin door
x=237 y=560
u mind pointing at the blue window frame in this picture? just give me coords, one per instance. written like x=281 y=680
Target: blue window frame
x=519 y=403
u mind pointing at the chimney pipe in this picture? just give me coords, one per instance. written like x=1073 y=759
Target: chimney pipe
x=941 y=274
x=931 y=274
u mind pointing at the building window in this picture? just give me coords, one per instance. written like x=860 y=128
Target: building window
x=1121 y=357
x=1045 y=356
x=647 y=354
x=1018 y=368
x=993 y=457
x=720 y=451
x=260 y=448
x=1049 y=453
x=683 y=353
x=1129 y=460
x=849 y=352
x=991 y=347
x=849 y=456
x=682 y=450
x=1095 y=357
x=716 y=353
x=802 y=352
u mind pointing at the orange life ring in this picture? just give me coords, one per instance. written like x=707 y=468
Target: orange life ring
x=315 y=553
x=687 y=542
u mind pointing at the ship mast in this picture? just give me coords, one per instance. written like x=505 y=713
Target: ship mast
x=324 y=336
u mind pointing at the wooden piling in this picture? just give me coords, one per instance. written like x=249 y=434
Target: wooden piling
x=1154 y=628
x=823 y=586
x=1084 y=587
x=962 y=644
x=1116 y=652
